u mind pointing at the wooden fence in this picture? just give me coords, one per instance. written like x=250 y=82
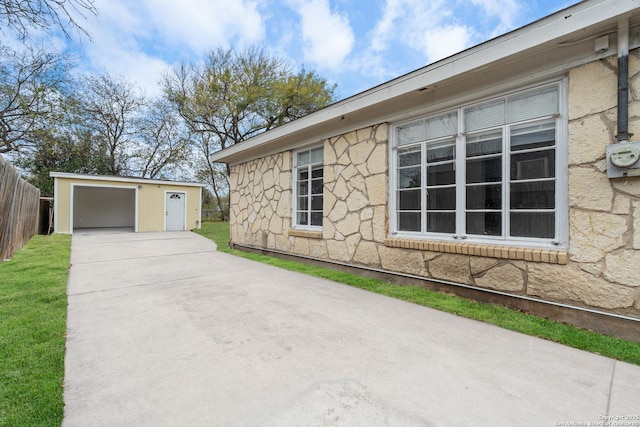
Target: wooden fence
x=19 y=202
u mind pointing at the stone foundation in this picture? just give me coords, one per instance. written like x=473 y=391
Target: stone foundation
x=599 y=270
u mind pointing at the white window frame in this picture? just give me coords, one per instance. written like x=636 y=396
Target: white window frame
x=559 y=241
x=294 y=192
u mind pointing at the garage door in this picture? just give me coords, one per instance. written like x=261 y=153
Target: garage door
x=104 y=207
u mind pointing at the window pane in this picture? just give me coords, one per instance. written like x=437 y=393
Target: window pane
x=316 y=203
x=484 y=196
x=409 y=200
x=484 y=143
x=533 y=195
x=443 y=174
x=316 y=218
x=533 y=224
x=484 y=116
x=303 y=188
x=484 y=170
x=441 y=198
x=441 y=222
x=409 y=177
x=302 y=218
x=409 y=156
x=534 y=103
x=303 y=203
x=316 y=186
x=411 y=132
x=309 y=187
x=439 y=151
x=535 y=165
x=442 y=125
x=303 y=158
x=484 y=223
x=316 y=155
x=409 y=221
x=529 y=136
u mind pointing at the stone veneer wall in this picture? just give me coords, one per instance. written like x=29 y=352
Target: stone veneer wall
x=600 y=269
x=260 y=202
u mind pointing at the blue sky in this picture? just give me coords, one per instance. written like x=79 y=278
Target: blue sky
x=354 y=43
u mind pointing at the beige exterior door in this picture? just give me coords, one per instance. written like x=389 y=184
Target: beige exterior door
x=174 y=207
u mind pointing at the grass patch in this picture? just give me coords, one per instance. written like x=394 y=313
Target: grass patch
x=594 y=342
x=33 y=313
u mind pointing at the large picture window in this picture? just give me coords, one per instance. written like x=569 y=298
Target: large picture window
x=308 y=185
x=483 y=172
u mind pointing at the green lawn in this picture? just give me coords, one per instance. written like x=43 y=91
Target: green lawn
x=33 y=309
x=497 y=315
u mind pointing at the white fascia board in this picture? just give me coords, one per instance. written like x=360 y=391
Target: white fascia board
x=565 y=22
x=68 y=175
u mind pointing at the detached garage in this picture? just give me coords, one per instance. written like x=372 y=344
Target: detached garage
x=135 y=204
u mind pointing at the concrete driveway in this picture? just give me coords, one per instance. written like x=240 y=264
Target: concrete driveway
x=165 y=331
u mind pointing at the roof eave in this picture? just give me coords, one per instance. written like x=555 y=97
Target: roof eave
x=105 y=178
x=519 y=42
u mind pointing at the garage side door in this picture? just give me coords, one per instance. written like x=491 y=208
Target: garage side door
x=175 y=205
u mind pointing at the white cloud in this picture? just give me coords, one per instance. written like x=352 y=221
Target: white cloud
x=384 y=27
x=139 y=68
x=140 y=39
x=432 y=30
x=445 y=41
x=505 y=10
x=327 y=35
x=202 y=24
x=115 y=48
x=428 y=27
x=410 y=31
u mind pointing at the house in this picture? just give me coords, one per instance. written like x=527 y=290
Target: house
x=487 y=174
x=135 y=204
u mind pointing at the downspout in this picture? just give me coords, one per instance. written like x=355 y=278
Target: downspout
x=623 y=80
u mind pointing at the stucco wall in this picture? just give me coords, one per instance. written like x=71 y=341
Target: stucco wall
x=151 y=206
x=599 y=270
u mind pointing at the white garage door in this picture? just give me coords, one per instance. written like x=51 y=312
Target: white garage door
x=103 y=207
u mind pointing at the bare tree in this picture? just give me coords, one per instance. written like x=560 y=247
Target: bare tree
x=110 y=107
x=31 y=86
x=23 y=15
x=163 y=141
x=60 y=149
x=215 y=175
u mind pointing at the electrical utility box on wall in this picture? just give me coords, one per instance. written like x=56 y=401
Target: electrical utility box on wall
x=623 y=159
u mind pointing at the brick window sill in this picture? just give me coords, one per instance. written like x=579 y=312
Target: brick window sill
x=306 y=233
x=492 y=251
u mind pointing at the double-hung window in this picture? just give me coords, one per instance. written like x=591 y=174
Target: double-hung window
x=308 y=186
x=483 y=172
